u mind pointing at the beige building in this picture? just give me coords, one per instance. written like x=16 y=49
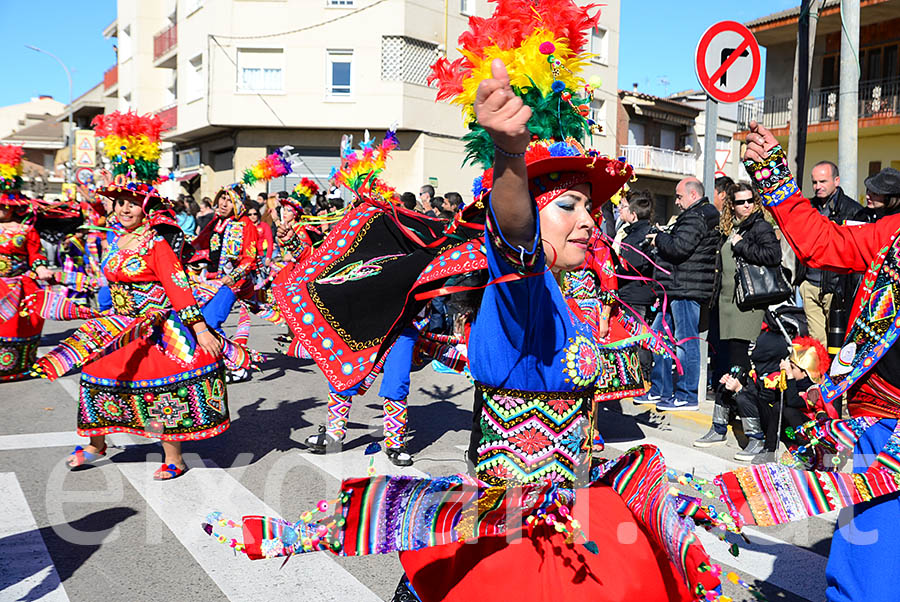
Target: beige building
x=879 y=86
x=235 y=79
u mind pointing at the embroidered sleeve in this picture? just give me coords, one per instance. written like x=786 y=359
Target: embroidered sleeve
x=772 y=177
x=247 y=261
x=190 y=315
x=296 y=243
x=521 y=259
x=169 y=272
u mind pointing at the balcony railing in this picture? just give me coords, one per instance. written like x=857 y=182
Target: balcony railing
x=111 y=77
x=165 y=40
x=169 y=117
x=660 y=159
x=876 y=99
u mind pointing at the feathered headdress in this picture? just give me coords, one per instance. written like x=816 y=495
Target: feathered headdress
x=359 y=170
x=542 y=43
x=267 y=168
x=11 y=174
x=131 y=142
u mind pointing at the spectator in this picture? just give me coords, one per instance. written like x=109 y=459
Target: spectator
x=818 y=287
x=883 y=193
x=687 y=253
x=265 y=244
x=205 y=215
x=261 y=198
x=437 y=205
x=453 y=201
x=637 y=296
x=750 y=237
x=724 y=191
x=409 y=200
x=185 y=220
x=447 y=214
x=426 y=193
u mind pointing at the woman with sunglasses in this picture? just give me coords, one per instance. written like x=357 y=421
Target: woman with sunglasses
x=748 y=236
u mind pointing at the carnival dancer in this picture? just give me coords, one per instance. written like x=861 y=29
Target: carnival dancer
x=151 y=367
x=866 y=368
x=534 y=361
x=20 y=258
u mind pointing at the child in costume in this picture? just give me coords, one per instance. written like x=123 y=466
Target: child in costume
x=805 y=368
x=151 y=367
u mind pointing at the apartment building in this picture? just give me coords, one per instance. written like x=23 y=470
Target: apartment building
x=235 y=79
x=879 y=86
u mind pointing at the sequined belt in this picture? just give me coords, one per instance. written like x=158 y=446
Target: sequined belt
x=528 y=436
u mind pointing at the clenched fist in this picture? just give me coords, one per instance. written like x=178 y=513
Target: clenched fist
x=501 y=112
x=760 y=141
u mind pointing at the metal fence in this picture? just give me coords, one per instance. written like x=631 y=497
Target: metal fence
x=660 y=159
x=876 y=99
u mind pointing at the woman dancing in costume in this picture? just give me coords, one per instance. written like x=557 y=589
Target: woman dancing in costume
x=151 y=367
x=536 y=365
x=20 y=253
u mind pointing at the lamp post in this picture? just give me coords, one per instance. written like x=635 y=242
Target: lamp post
x=71 y=136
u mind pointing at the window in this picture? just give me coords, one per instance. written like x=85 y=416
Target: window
x=340 y=73
x=598 y=114
x=467 y=7
x=636 y=134
x=188 y=158
x=260 y=70
x=599 y=45
x=195 y=78
x=407 y=59
x=668 y=138
x=340 y=3
x=222 y=159
x=874 y=167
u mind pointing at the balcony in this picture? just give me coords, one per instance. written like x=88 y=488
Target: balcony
x=111 y=80
x=878 y=99
x=164 y=44
x=660 y=159
x=169 y=117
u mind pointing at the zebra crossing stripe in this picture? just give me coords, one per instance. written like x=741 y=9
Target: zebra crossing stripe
x=26 y=569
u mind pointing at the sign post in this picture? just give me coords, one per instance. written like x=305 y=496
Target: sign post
x=728 y=65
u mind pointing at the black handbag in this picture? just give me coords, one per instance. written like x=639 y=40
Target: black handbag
x=759 y=286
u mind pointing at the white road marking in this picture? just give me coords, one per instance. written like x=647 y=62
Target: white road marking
x=26 y=569
x=59 y=439
x=182 y=505
x=355 y=463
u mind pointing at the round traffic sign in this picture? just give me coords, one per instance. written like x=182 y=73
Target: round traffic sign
x=84 y=175
x=728 y=61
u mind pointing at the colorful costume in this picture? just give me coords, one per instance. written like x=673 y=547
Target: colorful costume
x=867 y=369
x=20 y=253
x=143 y=372
x=535 y=364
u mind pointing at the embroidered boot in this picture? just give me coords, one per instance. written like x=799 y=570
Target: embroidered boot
x=395 y=432
x=332 y=433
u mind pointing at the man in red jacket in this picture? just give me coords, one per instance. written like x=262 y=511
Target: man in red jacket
x=861 y=565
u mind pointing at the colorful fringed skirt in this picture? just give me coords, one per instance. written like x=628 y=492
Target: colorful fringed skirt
x=139 y=389
x=19 y=335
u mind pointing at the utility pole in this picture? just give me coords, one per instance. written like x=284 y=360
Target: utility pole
x=806 y=46
x=848 y=101
x=71 y=136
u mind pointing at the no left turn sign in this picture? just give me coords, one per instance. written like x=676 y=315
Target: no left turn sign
x=728 y=61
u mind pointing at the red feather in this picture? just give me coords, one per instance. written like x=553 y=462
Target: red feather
x=10 y=154
x=448 y=76
x=821 y=353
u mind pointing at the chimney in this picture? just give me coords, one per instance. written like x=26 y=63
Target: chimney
x=634 y=87
x=45 y=96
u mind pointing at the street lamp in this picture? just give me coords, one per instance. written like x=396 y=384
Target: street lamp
x=71 y=136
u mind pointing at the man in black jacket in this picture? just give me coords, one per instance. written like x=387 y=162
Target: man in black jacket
x=633 y=251
x=818 y=287
x=689 y=252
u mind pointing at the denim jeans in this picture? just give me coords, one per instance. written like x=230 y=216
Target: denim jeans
x=686 y=316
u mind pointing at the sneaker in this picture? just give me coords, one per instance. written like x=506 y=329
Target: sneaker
x=748 y=453
x=647 y=398
x=679 y=405
x=709 y=439
x=765 y=457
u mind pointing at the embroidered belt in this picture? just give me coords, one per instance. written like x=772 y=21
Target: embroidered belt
x=528 y=436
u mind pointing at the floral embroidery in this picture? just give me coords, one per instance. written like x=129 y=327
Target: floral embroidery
x=581 y=361
x=112 y=407
x=122 y=300
x=180 y=279
x=530 y=440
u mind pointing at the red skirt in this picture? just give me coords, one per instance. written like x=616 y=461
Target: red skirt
x=542 y=566
x=139 y=389
x=20 y=337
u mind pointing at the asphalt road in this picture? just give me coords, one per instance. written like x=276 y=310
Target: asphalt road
x=111 y=533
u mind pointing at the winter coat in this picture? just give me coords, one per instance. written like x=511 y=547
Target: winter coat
x=759 y=246
x=689 y=251
x=633 y=263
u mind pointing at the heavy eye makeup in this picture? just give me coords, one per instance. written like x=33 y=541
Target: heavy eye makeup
x=568 y=203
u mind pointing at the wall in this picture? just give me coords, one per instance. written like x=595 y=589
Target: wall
x=883 y=147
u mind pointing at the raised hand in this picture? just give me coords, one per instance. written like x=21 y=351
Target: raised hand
x=501 y=112
x=760 y=142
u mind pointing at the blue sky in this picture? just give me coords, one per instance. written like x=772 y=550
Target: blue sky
x=658 y=39
x=71 y=30
x=657 y=43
